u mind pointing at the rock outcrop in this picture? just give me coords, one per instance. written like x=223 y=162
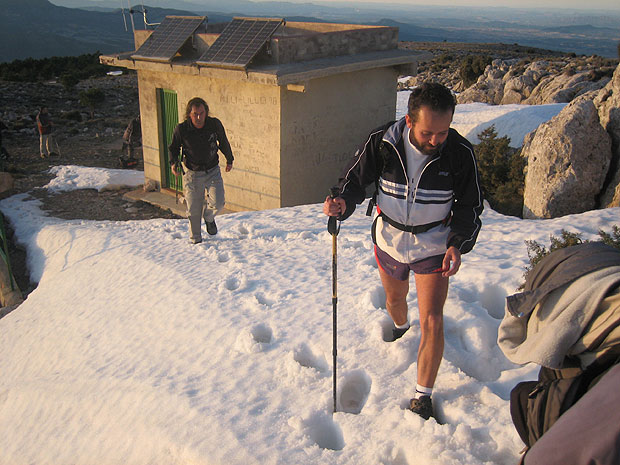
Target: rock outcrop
x=607 y=102
x=568 y=159
x=540 y=82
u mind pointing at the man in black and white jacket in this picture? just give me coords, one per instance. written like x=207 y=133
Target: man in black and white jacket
x=429 y=202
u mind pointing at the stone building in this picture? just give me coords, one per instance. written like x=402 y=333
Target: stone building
x=295 y=106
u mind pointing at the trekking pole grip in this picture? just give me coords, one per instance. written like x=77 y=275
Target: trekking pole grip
x=332 y=228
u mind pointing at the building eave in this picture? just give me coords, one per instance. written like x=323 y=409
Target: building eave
x=282 y=74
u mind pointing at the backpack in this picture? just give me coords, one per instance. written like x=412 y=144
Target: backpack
x=536 y=405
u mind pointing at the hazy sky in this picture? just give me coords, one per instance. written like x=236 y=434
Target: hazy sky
x=579 y=4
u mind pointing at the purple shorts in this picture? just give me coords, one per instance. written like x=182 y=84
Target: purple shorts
x=400 y=271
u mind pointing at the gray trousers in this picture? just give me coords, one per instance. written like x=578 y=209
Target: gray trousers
x=195 y=183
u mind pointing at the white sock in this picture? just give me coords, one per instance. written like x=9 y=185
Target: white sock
x=422 y=391
x=403 y=326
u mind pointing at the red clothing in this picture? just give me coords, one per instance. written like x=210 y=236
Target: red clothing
x=44 y=123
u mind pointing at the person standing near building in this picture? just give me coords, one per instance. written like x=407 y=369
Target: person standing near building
x=44 y=125
x=429 y=203
x=4 y=154
x=132 y=138
x=193 y=153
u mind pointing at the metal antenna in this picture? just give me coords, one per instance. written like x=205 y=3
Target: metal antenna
x=123 y=13
x=146 y=23
x=133 y=26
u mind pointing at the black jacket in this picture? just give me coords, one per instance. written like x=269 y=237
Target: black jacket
x=199 y=146
x=449 y=188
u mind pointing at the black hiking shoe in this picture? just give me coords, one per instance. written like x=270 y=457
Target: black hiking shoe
x=397 y=333
x=212 y=228
x=422 y=406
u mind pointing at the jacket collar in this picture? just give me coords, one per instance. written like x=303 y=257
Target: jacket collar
x=394 y=136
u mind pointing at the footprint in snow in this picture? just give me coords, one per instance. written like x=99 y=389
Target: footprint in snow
x=262 y=334
x=354 y=392
x=324 y=432
x=304 y=356
x=264 y=300
x=232 y=283
x=377 y=297
x=258 y=339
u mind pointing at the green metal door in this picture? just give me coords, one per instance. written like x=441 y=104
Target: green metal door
x=168 y=119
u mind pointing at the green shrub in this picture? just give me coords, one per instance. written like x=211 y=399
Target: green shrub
x=501 y=172
x=31 y=70
x=92 y=98
x=536 y=252
x=445 y=59
x=472 y=67
x=69 y=81
x=613 y=238
x=73 y=115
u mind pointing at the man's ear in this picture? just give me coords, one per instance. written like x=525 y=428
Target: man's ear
x=408 y=121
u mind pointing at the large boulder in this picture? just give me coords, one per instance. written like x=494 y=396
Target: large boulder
x=485 y=90
x=607 y=102
x=489 y=88
x=563 y=88
x=568 y=159
x=519 y=87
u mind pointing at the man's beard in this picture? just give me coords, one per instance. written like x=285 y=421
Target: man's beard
x=425 y=149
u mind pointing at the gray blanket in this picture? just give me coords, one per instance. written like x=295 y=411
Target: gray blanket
x=568 y=322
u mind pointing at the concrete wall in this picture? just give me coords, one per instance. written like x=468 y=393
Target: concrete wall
x=250 y=114
x=289 y=146
x=323 y=127
x=349 y=40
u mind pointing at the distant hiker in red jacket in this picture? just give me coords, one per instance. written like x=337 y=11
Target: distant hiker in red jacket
x=44 y=124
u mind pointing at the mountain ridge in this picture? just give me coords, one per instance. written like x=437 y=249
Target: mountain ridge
x=55 y=30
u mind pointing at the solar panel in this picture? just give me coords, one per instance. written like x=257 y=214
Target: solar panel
x=166 y=41
x=240 y=41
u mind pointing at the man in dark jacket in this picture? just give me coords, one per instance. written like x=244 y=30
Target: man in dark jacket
x=199 y=138
x=429 y=203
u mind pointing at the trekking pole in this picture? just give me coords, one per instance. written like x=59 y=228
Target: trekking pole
x=334 y=229
x=176 y=189
x=179 y=169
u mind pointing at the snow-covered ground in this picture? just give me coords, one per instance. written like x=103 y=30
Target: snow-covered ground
x=514 y=121
x=139 y=348
x=70 y=177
